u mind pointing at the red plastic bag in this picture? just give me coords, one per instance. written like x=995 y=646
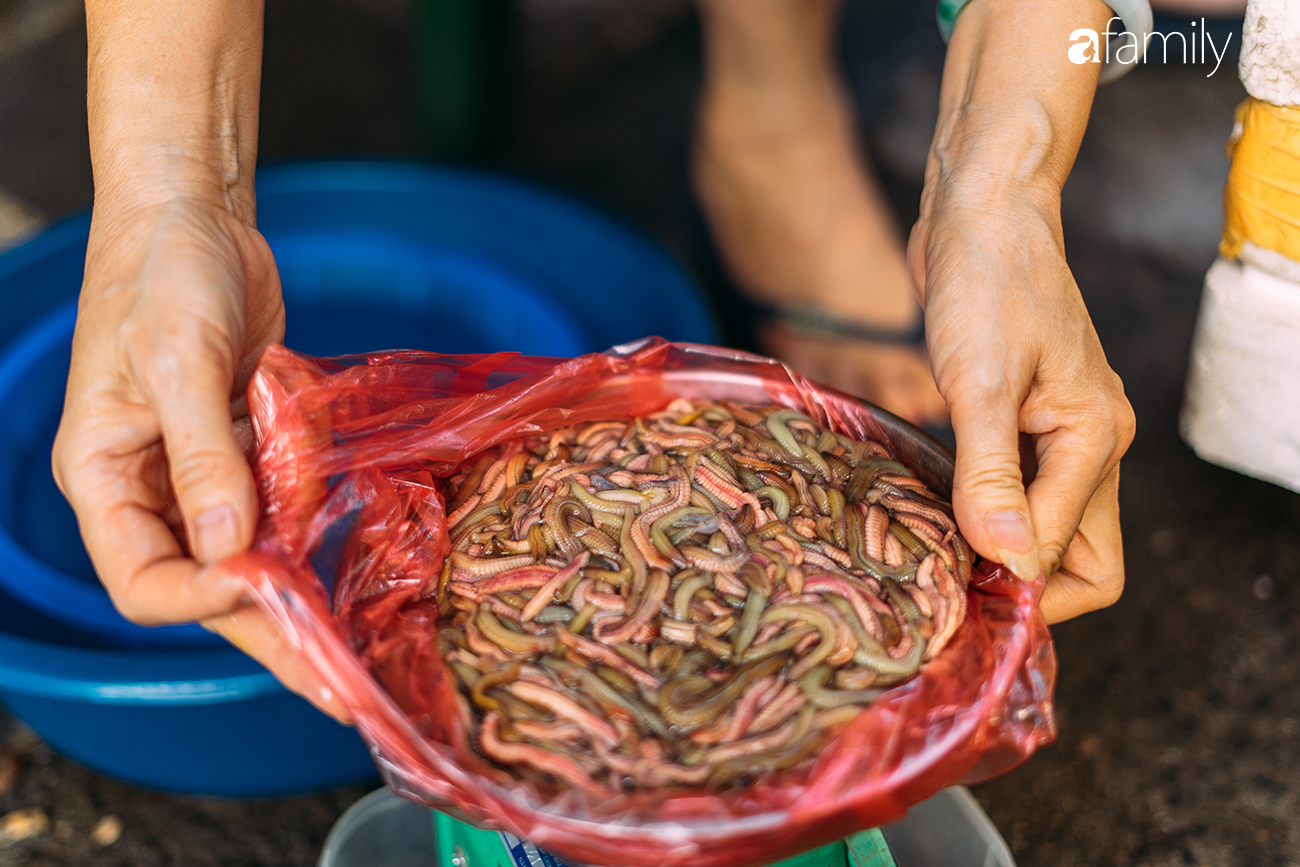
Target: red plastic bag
x=353 y=534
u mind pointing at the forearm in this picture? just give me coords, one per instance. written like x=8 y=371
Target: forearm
x=1013 y=108
x=172 y=96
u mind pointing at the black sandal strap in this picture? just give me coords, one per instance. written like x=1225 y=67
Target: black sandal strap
x=819 y=322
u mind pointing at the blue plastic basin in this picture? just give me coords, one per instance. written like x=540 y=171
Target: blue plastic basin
x=371 y=256
x=208 y=721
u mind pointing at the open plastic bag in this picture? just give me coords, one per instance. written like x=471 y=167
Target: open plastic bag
x=353 y=535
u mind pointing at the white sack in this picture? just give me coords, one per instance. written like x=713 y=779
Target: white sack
x=1242 y=406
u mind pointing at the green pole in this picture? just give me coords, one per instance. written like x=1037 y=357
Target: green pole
x=466 y=58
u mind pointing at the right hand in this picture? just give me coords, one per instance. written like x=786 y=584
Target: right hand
x=179 y=300
x=1040 y=418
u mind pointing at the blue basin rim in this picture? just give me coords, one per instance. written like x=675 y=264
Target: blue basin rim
x=406 y=177
x=130 y=677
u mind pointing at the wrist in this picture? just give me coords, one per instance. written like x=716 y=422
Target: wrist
x=128 y=231
x=133 y=182
x=1006 y=134
x=996 y=158
x=996 y=230
x=173 y=92
x=967 y=213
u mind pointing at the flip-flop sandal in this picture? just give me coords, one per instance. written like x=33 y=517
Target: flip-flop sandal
x=741 y=318
x=819 y=323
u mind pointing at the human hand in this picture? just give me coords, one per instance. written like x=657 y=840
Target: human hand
x=179 y=300
x=180 y=297
x=1040 y=418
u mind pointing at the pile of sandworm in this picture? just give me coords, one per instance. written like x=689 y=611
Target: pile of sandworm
x=695 y=597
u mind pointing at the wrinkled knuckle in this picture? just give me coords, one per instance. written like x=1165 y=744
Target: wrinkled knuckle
x=130 y=606
x=67 y=458
x=1117 y=398
x=1125 y=426
x=1110 y=426
x=994 y=480
x=178 y=354
x=1050 y=555
x=1105 y=585
x=983 y=381
x=60 y=458
x=159 y=365
x=1110 y=588
x=193 y=471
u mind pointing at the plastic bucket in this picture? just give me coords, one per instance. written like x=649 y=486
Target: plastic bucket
x=948 y=830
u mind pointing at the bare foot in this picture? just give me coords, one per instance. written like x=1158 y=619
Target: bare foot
x=800 y=223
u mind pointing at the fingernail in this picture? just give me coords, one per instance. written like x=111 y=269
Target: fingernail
x=1010 y=531
x=1011 y=535
x=215 y=534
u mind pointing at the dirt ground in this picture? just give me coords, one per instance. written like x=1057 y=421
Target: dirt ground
x=1179 y=707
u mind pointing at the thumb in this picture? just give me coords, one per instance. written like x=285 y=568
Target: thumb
x=988 y=488
x=211 y=477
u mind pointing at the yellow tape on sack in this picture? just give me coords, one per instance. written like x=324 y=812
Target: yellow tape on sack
x=1262 y=201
